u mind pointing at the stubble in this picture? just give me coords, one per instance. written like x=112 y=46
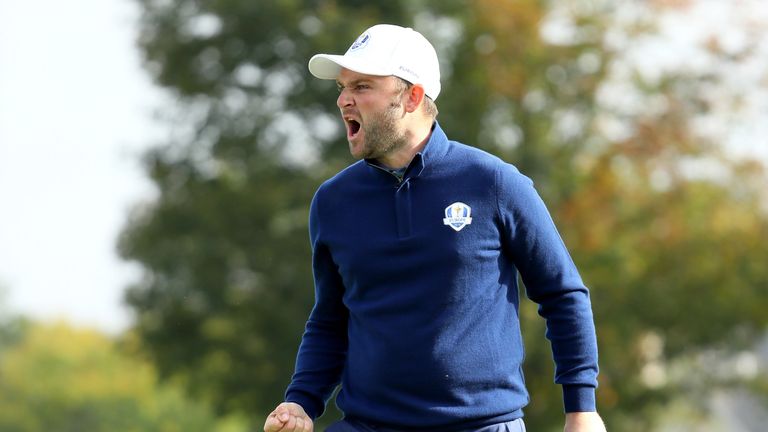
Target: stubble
x=382 y=136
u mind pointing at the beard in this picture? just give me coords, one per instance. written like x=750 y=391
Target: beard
x=382 y=136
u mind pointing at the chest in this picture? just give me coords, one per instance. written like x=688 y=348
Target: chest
x=381 y=231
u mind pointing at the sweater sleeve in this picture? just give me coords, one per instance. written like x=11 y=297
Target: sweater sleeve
x=553 y=282
x=323 y=348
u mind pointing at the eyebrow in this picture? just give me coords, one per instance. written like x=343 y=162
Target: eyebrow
x=354 y=82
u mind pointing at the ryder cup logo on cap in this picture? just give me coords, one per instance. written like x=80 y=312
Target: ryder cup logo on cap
x=360 y=42
x=457 y=216
x=385 y=50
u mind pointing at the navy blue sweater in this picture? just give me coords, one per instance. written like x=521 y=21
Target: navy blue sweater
x=416 y=310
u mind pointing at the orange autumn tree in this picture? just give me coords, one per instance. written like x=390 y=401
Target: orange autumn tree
x=664 y=223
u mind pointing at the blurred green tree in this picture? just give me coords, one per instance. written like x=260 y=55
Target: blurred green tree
x=64 y=379
x=227 y=281
x=12 y=326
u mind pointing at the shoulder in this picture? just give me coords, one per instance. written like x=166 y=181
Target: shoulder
x=347 y=176
x=335 y=187
x=466 y=157
x=471 y=154
x=478 y=162
x=512 y=188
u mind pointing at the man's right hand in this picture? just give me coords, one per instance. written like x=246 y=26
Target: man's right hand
x=288 y=417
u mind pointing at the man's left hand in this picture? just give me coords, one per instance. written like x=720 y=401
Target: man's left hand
x=583 y=422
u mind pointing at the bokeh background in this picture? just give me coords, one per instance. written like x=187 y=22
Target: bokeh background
x=158 y=157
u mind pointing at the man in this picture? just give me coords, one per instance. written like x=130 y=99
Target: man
x=416 y=251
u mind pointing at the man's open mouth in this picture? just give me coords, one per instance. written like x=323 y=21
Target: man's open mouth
x=353 y=127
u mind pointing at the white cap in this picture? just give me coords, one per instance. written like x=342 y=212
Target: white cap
x=385 y=50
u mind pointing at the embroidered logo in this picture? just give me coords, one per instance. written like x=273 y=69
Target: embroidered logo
x=361 y=41
x=457 y=216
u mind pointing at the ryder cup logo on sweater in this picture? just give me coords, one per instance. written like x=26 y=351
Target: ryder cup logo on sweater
x=457 y=216
x=361 y=41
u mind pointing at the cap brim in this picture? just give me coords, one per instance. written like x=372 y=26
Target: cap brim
x=325 y=66
x=328 y=66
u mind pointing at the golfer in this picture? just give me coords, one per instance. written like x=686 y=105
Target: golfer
x=417 y=249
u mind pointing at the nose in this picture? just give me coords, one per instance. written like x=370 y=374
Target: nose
x=344 y=99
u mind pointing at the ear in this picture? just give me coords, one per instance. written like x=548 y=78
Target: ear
x=415 y=95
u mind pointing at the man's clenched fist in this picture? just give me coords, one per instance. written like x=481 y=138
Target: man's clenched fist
x=288 y=417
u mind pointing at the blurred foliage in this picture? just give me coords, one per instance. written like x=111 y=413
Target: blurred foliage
x=674 y=258
x=12 y=326
x=58 y=378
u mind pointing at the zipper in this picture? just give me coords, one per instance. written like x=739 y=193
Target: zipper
x=402 y=203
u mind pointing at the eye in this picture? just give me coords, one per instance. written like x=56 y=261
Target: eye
x=362 y=87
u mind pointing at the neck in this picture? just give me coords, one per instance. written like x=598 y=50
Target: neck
x=417 y=140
